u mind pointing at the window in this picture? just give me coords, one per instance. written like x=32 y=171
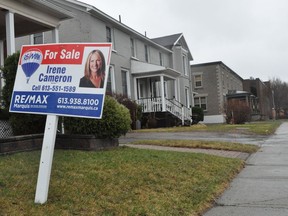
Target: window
x=133 y=53
x=110 y=81
x=108 y=34
x=184 y=62
x=160 y=58
x=38 y=38
x=198 y=81
x=187 y=96
x=201 y=102
x=125 y=83
x=146 y=53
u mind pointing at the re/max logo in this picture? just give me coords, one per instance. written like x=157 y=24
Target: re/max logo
x=34 y=99
x=32 y=55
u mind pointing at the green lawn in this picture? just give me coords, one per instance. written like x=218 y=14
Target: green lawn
x=123 y=181
x=217 y=145
x=259 y=128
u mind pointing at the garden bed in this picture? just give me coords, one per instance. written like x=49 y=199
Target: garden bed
x=34 y=142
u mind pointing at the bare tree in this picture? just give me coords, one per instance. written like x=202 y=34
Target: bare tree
x=280 y=96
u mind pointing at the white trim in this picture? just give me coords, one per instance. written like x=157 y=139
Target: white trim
x=162 y=93
x=128 y=82
x=113 y=86
x=55 y=35
x=178 y=39
x=10 y=32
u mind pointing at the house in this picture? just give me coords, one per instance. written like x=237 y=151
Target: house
x=242 y=106
x=18 y=18
x=154 y=72
x=262 y=91
x=212 y=82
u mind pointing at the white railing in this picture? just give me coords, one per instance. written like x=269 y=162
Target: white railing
x=172 y=106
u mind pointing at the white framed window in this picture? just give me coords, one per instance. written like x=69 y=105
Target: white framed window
x=110 y=88
x=160 y=59
x=201 y=101
x=184 y=63
x=110 y=36
x=133 y=48
x=126 y=89
x=146 y=53
x=198 y=81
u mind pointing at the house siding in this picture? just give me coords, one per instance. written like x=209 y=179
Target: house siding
x=217 y=81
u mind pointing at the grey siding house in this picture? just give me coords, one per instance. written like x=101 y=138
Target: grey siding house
x=211 y=83
x=154 y=72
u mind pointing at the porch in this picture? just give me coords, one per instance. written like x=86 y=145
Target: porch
x=169 y=112
x=154 y=85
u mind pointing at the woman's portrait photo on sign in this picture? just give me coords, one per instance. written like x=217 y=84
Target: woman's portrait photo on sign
x=94 y=70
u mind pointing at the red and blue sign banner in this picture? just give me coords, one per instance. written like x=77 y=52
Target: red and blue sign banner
x=62 y=79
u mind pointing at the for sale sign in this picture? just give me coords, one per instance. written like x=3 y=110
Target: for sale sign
x=62 y=79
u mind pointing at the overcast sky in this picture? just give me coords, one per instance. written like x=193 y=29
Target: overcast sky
x=249 y=36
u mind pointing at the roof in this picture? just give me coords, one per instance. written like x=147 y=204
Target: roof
x=167 y=41
x=216 y=63
x=173 y=40
x=106 y=18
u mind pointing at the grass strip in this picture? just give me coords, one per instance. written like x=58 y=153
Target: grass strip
x=124 y=181
x=217 y=145
x=258 y=128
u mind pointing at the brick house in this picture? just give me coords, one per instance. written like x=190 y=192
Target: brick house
x=263 y=92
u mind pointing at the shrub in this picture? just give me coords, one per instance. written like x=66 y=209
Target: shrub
x=9 y=74
x=134 y=109
x=25 y=124
x=237 y=113
x=114 y=123
x=197 y=115
x=22 y=124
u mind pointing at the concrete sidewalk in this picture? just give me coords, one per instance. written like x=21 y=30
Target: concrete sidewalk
x=261 y=189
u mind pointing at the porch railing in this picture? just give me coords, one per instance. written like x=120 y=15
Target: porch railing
x=171 y=105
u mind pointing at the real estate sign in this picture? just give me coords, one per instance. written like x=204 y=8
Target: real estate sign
x=55 y=79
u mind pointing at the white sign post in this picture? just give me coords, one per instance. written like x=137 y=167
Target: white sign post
x=46 y=159
x=60 y=80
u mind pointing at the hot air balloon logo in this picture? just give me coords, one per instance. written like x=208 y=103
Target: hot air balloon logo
x=30 y=62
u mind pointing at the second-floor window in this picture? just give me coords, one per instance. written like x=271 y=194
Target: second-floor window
x=184 y=62
x=108 y=34
x=198 y=81
x=161 y=58
x=132 y=44
x=146 y=53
